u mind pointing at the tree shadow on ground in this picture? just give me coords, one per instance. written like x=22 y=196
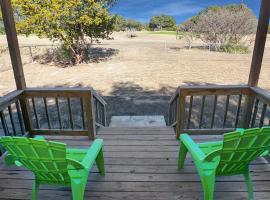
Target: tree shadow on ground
x=133 y=89
x=60 y=57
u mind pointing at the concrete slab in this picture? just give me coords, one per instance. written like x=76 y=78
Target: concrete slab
x=138 y=121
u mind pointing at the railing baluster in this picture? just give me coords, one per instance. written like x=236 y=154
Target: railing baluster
x=202 y=111
x=263 y=114
x=47 y=112
x=58 y=113
x=238 y=111
x=70 y=114
x=190 y=111
x=104 y=115
x=12 y=120
x=254 y=116
x=97 y=110
x=20 y=117
x=82 y=112
x=35 y=113
x=102 y=118
x=226 y=111
x=214 y=112
x=4 y=123
x=172 y=114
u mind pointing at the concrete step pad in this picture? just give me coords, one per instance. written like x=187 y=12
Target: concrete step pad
x=138 y=121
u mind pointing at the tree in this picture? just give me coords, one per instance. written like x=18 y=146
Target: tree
x=67 y=21
x=162 y=22
x=2 y=29
x=133 y=24
x=220 y=26
x=190 y=29
x=120 y=23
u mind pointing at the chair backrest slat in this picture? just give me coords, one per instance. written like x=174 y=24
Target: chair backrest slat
x=240 y=148
x=46 y=159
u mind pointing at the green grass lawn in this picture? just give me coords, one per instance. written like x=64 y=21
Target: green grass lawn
x=163 y=32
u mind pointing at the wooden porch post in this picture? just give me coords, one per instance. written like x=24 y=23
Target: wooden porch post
x=15 y=56
x=13 y=44
x=261 y=36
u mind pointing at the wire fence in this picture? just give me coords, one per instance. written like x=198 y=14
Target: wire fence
x=28 y=54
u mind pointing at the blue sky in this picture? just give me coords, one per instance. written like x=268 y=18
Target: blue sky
x=142 y=10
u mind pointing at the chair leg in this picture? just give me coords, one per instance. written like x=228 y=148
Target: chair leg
x=182 y=156
x=77 y=191
x=100 y=163
x=35 y=190
x=249 y=185
x=208 y=183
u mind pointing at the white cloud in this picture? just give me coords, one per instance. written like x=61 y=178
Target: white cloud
x=177 y=9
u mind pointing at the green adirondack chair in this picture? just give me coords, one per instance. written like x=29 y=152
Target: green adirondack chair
x=231 y=156
x=53 y=163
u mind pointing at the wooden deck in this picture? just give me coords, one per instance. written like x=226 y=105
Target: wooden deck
x=141 y=165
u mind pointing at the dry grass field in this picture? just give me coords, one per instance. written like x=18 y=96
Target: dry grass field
x=150 y=63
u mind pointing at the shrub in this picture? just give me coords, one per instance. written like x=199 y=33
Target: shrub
x=234 y=48
x=220 y=26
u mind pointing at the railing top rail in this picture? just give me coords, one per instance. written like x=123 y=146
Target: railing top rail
x=99 y=98
x=10 y=98
x=58 y=92
x=176 y=93
x=63 y=92
x=214 y=90
x=263 y=94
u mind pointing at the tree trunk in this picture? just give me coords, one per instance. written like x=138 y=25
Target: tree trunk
x=77 y=55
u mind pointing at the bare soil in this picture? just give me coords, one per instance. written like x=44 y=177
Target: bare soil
x=147 y=65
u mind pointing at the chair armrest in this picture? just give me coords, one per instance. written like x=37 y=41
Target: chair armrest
x=76 y=164
x=39 y=137
x=195 y=151
x=92 y=153
x=240 y=129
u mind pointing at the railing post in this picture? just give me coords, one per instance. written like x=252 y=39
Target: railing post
x=248 y=107
x=90 y=116
x=180 y=114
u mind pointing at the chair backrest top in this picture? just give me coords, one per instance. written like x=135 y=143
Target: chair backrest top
x=242 y=147
x=46 y=159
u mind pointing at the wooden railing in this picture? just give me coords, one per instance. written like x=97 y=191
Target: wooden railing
x=217 y=109
x=11 y=116
x=260 y=115
x=99 y=106
x=12 y=122
x=73 y=112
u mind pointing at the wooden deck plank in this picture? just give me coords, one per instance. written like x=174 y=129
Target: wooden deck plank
x=47 y=194
x=141 y=166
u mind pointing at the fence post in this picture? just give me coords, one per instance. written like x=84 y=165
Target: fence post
x=31 y=54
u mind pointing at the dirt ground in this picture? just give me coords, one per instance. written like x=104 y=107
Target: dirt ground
x=148 y=64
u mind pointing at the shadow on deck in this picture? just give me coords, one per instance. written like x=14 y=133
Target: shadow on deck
x=140 y=164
